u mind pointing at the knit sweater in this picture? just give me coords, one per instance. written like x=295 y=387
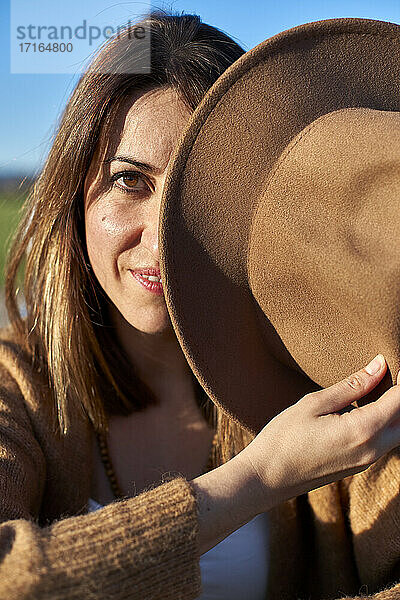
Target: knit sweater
x=341 y=539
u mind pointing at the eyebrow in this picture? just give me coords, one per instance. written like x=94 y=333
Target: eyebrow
x=150 y=169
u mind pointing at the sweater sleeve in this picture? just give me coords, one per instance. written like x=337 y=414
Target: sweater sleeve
x=144 y=547
x=141 y=548
x=389 y=593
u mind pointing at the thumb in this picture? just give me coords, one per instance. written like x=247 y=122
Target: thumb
x=352 y=388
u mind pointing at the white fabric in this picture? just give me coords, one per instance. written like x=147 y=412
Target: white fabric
x=237 y=567
x=93 y=505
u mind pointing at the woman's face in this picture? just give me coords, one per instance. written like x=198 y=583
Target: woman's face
x=123 y=190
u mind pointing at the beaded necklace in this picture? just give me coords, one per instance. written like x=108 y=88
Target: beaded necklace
x=110 y=471
x=204 y=405
x=108 y=466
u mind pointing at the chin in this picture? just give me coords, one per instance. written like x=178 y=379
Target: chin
x=153 y=328
x=151 y=324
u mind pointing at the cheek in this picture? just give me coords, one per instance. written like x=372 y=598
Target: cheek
x=102 y=227
x=109 y=231
x=97 y=235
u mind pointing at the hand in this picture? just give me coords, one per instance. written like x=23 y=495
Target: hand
x=310 y=444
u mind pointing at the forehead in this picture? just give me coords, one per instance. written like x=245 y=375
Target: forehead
x=149 y=125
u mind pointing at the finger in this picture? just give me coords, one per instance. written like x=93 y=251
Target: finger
x=385 y=411
x=398 y=378
x=338 y=396
x=377 y=425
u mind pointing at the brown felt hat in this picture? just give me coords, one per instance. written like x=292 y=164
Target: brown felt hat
x=280 y=220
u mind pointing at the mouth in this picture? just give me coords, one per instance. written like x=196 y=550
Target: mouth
x=150 y=279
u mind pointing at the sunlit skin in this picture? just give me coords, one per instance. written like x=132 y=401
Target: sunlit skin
x=122 y=204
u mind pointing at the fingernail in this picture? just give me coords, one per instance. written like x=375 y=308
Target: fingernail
x=375 y=365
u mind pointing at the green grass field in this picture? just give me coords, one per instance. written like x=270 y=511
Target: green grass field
x=10 y=205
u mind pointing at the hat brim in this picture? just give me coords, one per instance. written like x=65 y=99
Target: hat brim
x=218 y=173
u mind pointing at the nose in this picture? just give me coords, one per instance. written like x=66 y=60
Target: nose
x=151 y=226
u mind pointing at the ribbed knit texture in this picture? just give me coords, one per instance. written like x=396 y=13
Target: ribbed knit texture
x=143 y=547
x=341 y=541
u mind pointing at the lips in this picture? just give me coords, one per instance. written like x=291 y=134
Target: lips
x=149 y=278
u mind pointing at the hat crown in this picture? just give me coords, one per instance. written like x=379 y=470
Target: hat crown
x=324 y=262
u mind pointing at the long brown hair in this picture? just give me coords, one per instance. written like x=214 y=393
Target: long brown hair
x=66 y=327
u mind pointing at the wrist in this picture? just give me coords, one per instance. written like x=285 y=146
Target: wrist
x=226 y=500
x=264 y=481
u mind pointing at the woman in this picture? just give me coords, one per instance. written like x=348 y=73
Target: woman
x=97 y=400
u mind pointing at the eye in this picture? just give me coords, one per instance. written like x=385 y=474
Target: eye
x=131 y=181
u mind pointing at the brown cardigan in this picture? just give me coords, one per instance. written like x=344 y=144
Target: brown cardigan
x=147 y=547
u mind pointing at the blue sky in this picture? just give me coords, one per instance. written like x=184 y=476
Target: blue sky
x=31 y=103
